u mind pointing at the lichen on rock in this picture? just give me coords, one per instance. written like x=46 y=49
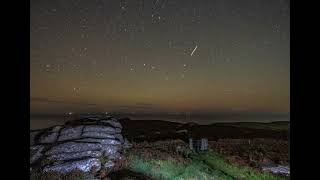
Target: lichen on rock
x=78 y=145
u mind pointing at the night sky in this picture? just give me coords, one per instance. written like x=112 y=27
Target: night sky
x=159 y=56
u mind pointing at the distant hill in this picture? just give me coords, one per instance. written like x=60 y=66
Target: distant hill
x=276 y=126
x=152 y=130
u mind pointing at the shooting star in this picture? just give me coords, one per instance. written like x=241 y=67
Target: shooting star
x=193 y=50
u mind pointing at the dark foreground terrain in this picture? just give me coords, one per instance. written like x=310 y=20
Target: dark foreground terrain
x=153 y=130
x=160 y=150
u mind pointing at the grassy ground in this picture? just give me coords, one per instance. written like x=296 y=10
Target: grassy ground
x=171 y=160
x=209 y=165
x=168 y=169
x=218 y=162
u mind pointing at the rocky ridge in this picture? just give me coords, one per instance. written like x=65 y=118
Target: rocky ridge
x=87 y=145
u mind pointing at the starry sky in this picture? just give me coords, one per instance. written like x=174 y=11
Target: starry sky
x=159 y=56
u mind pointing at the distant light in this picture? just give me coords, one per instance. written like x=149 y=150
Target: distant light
x=70 y=113
x=106 y=112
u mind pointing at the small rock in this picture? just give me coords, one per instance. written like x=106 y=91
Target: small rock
x=285 y=170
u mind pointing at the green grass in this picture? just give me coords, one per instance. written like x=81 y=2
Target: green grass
x=209 y=165
x=167 y=169
x=218 y=162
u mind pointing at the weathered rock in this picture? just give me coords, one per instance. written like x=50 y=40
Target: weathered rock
x=69 y=147
x=85 y=165
x=101 y=141
x=48 y=137
x=70 y=133
x=109 y=164
x=77 y=155
x=113 y=123
x=33 y=135
x=77 y=145
x=72 y=130
x=118 y=130
x=110 y=150
x=114 y=156
x=56 y=128
x=119 y=137
x=97 y=128
x=35 y=153
x=92 y=134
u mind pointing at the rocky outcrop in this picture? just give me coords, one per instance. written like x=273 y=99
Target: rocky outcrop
x=85 y=165
x=87 y=144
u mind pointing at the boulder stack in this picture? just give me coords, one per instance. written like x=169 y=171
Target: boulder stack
x=88 y=144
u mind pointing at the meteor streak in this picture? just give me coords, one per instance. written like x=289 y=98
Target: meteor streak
x=193 y=50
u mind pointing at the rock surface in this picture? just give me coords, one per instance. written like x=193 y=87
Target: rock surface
x=87 y=144
x=285 y=170
x=35 y=153
x=85 y=165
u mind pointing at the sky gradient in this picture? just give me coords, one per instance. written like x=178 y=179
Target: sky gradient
x=136 y=56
